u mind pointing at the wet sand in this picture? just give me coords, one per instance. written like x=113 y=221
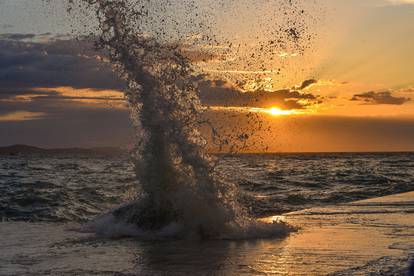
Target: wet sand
x=371 y=236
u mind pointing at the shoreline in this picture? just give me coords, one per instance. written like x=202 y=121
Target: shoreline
x=374 y=235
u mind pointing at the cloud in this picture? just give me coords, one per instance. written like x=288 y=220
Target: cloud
x=40 y=74
x=21 y=116
x=407 y=90
x=93 y=97
x=26 y=64
x=17 y=36
x=52 y=75
x=200 y=55
x=384 y=97
x=305 y=84
x=72 y=128
x=220 y=93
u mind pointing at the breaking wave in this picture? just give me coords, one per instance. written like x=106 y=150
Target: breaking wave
x=182 y=195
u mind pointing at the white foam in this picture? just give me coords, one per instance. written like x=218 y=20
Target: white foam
x=108 y=225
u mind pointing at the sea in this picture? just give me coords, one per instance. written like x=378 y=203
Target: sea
x=77 y=188
x=45 y=199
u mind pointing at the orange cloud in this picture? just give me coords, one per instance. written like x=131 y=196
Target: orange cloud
x=93 y=97
x=21 y=116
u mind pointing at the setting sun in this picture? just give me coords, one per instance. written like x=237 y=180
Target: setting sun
x=275 y=111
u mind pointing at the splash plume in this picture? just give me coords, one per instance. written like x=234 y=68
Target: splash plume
x=180 y=187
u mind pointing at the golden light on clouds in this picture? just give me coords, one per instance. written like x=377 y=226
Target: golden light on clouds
x=101 y=98
x=21 y=116
x=79 y=93
x=274 y=111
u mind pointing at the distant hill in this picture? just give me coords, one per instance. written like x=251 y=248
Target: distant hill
x=29 y=150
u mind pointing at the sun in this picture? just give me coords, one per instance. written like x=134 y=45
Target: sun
x=276 y=111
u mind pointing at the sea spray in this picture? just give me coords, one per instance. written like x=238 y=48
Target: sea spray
x=181 y=196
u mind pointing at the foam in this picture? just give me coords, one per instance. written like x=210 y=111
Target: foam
x=111 y=226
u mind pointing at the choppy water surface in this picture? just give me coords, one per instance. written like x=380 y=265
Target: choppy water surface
x=77 y=188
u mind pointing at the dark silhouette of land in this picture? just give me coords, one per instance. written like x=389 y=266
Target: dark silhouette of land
x=30 y=150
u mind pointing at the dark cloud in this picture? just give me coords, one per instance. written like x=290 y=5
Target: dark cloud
x=384 y=97
x=16 y=36
x=50 y=104
x=200 y=55
x=306 y=84
x=219 y=93
x=6 y=26
x=26 y=65
x=76 y=127
x=57 y=94
x=54 y=63
x=31 y=74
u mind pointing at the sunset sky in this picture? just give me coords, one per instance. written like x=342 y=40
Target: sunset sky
x=347 y=85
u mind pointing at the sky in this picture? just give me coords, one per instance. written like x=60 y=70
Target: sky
x=341 y=80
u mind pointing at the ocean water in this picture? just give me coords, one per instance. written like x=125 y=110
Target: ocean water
x=63 y=188
x=44 y=200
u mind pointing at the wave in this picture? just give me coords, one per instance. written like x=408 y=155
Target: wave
x=181 y=193
x=113 y=226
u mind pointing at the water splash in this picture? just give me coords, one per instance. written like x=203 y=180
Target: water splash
x=182 y=195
